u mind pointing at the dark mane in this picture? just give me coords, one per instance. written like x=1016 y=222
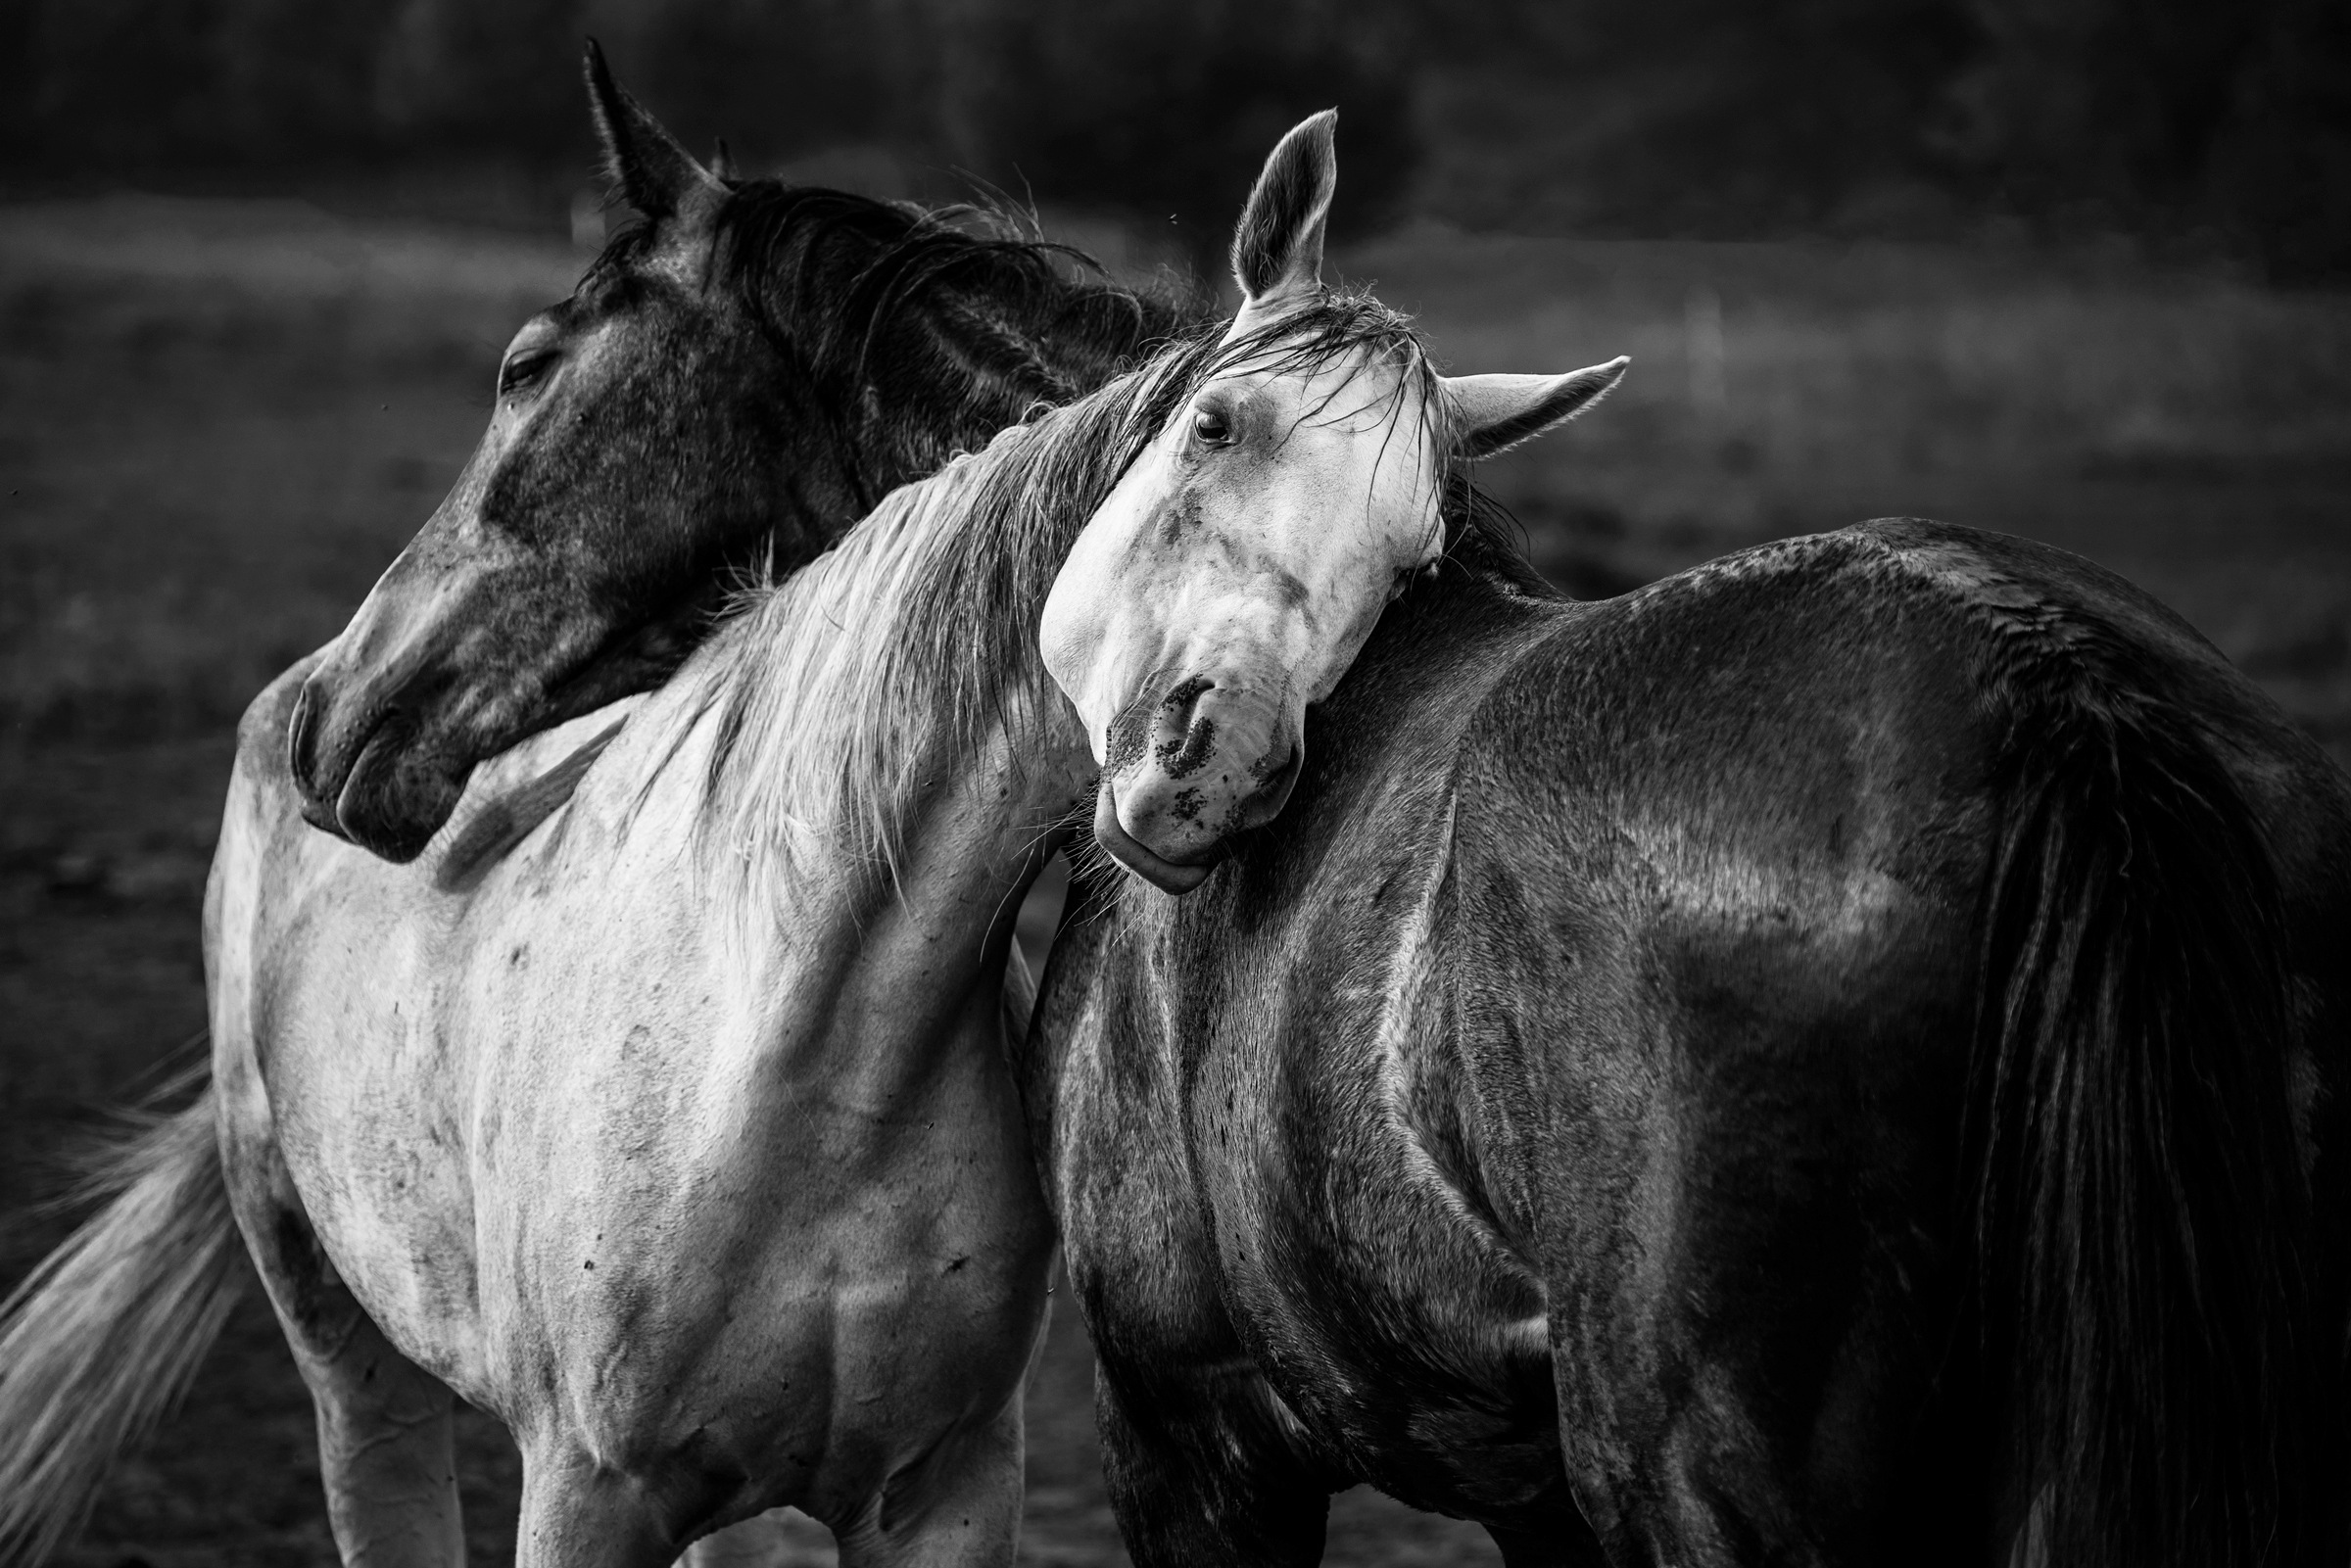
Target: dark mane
x=925 y=330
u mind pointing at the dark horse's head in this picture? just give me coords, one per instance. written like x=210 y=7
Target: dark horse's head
x=734 y=381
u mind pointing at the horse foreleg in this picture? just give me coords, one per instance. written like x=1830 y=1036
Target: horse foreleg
x=1209 y=1479
x=385 y=1449
x=385 y=1453
x=578 y=1514
x=771 y=1539
x=961 y=1506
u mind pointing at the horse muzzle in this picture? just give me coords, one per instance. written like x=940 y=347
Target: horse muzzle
x=363 y=772
x=366 y=745
x=1188 y=768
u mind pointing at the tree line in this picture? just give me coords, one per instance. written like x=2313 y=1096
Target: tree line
x=2184 y=120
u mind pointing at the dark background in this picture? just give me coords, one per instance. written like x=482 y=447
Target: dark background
x=2205 y=130
x=2073 y=268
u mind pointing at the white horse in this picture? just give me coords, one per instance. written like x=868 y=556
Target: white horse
x=703 y=1172
x=444 y=1123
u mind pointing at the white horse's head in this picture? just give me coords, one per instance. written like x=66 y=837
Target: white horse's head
x=1235 y=570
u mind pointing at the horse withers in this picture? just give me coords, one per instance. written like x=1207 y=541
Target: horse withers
x=1830 y=1057
x=706 y=1237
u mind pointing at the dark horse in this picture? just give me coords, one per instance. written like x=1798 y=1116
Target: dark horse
x=735 y=380
x=1828 y=1059
x=734 y=383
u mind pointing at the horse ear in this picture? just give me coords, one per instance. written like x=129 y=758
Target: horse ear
x=722 y=162
x=1493 y=414
x=655 y=174
x=1278 y=247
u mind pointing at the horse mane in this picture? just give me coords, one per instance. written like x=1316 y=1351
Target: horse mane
x=830 y=696
x=887 y=257
x=921 y=329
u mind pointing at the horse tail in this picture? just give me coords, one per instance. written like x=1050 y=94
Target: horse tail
x=102 y=1337
x=2141 y=1213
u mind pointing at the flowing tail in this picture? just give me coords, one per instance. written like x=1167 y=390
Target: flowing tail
x=102 y=1336
x=2143 y=1218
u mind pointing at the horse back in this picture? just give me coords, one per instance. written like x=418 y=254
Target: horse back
x=1725 y=853
x=1801 y=749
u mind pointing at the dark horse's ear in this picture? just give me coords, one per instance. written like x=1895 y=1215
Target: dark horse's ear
x=654 y=174
x=722 y=162
x=1277 y=248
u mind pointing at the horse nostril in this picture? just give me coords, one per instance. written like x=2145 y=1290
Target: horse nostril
x=1176 y=708
x=1186 y=739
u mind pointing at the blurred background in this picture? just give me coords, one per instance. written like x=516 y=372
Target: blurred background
x=2073 y=268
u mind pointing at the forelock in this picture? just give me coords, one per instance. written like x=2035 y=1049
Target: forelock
x=1346 y=330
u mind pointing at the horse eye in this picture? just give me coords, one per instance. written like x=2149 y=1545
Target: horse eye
x=1210 y=426
x=524 y=370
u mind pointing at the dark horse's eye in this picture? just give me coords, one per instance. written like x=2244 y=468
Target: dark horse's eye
x=529 y=366
x=1208 y=426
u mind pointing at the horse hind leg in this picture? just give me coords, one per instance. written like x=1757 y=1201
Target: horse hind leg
x=385 y=1427
x=1816 y=1440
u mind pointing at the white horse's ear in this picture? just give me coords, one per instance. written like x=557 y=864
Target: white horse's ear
x=1493 y=414
x=1278 y=247
x=722 y=162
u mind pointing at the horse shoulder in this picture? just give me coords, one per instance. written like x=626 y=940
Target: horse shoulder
x=316 y=1017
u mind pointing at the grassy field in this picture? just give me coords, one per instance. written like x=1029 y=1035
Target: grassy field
x=218 y=421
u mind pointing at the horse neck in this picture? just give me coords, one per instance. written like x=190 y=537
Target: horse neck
x=898 y=980
x=982 y=828
x=843 y=760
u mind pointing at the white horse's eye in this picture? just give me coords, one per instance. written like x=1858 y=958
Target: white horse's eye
x=1209 y=427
